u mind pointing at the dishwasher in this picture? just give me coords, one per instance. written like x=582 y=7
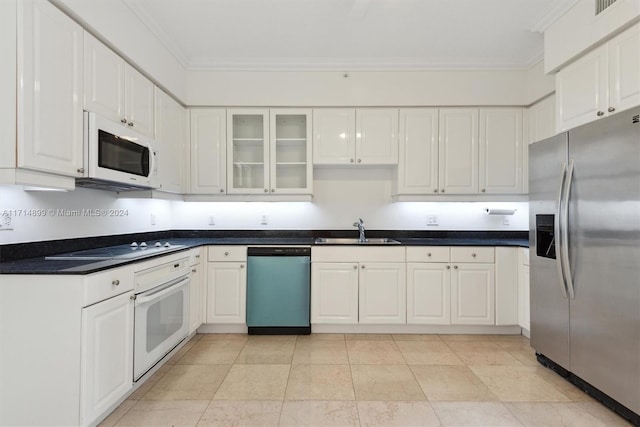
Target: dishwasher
x=278 y=290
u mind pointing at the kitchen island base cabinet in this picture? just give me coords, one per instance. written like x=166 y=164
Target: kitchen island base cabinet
x=107 y=355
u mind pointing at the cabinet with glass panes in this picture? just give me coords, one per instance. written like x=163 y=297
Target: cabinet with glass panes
x=269 y=151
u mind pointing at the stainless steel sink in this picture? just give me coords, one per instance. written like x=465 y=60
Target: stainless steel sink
x=355 y=241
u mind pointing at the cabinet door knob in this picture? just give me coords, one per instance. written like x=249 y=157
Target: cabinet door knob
x=442 y=191
x=448 y=267
x=226 y=254
x=359 y=160
x=435 y=190
x=115 y=282
x=80 y=170
x=429 y=254
x=473 y=255
x=241 y=265
x=484 y=190
x=355 y=267
x=197 y=256
x=222 y=190
x=130 y=124
x=124 y=121
x=351 y=160
x=455 y=267
x=611 y=109
x=266 y=190
x=600 y=113
x=362 y=267
x=273 y=190
x=193 y=270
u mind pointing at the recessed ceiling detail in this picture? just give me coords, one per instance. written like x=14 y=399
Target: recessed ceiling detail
x=351 y=34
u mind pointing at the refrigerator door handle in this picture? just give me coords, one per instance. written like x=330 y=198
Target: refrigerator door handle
x=557 y=232
x=564 y=250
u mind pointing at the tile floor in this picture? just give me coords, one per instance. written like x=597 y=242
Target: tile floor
x=358 y=380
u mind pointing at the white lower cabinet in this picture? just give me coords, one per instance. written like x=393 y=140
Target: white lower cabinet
x=107 y=355
x=334 y=292
x=196 y=294
x=429 y=293
x=227 y=284
x=524 y=310
x=472 y=294
x=382 y=293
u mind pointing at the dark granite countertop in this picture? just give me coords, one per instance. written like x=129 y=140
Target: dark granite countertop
x=29 y=258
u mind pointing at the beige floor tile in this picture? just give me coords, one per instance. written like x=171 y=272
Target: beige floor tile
x=320 y=337
x=602 y=413
x=470 y=414
x=225 y=413
x=224 y=337
x=417 y=337
x=385 y=382
x=266 y=351
x=451 y=383
x=320 y=382
x=320 y=351
x=212 y=352
x=565 y=387
x=157 y=414
x=509 y=338
x=473 y=346
x=119 y=412
x=428 y=353
x=527 y=358
x=380 y=352
x=254 y=382
x=319 y=413
x=545 y=414
x=279 y=338
x=488 y=358
x=515 y=346
x=401 y=414
x=518 y=384
x=368 y=337
x=465 y=337
x=188 y=382
x=150 y=382
x=180 y=353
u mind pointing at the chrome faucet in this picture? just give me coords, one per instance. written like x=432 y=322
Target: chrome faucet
x=360 y=226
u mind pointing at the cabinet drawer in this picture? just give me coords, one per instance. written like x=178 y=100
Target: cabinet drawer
x=472 y=254
x=428 y=254
x=104 y=285
x=227 y=253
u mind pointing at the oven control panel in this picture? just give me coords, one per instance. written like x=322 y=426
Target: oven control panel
x=162 y=273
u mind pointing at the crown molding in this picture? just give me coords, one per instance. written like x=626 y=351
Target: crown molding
x=559 y=8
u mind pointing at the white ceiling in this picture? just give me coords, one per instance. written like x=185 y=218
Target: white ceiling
x=351 y=34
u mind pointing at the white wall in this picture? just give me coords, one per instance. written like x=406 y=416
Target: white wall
x=539 y=84
x=362 y=88
x=54 y=225
x=341 y=196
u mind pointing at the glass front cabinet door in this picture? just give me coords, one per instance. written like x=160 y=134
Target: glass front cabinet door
x=269 y=151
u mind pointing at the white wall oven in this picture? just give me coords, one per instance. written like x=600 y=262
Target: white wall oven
x=161 y=312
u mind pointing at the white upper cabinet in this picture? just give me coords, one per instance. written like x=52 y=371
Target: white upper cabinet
x=542 y=120
x=458 y=151
x=602 y=82
x=334 y=139
x=366 y=136
x=500 y=150
x=50 y=136
x=116 y=90
x=208 y=148
x=377 y=136
x=170 y=141
x=290 y=155
x=248 y=151
x=418 y=149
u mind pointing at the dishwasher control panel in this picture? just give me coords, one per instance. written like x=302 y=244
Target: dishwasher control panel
x=279 y=251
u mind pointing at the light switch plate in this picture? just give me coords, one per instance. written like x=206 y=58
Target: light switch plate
x=6 y=221
x=432 y=220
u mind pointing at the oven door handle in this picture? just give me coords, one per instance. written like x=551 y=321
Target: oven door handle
x=161 y=291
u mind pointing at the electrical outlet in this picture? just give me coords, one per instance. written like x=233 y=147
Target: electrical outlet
x=212 y=220
x=264 y=220
x=153 y=219
x=506 y=220
x=6 y=221
x=432 y=220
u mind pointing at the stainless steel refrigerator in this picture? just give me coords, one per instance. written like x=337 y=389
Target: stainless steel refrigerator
x=584 y=235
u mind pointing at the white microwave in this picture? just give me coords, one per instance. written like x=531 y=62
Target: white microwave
x=117 y=157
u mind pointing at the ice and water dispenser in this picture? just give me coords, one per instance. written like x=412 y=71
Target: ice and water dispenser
x=545 y=239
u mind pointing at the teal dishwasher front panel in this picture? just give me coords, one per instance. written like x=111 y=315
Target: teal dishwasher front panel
x=278 y=289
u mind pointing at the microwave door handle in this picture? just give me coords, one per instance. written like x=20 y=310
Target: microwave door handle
x=565 y=233
x=162 y=292
x=557 y=233
x=152 y=163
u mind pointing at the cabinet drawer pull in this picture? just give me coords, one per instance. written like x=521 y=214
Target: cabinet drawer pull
x=241 y=265
x=124 y=121
x=442 y=191
x=429 y=254
x=193 y=270
x=115 y=282
x=351 y=160
x=473 y=255
x=130 y=124
x=448 y=267
x=600 y=113
x=362 y=267
x=226 y=254
x=435 y=190
x=611 y=109
x=359 y=160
